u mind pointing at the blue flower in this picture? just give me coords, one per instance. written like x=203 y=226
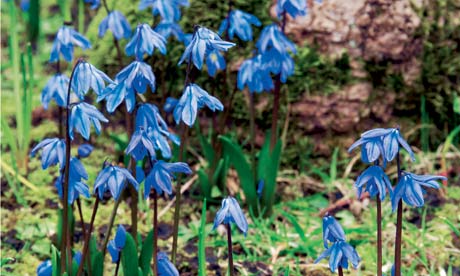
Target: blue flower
x=332 y=231
x=191 y=100
x=117 y=23
x=82 y=115
x=239 y=23
x=169 y=10
x=76 y=185
x=410 y=189
x=115 y=93
x=137 y=76
x=167 y=29
x=25 y=5
x=94 y=3
x=229 y=212
x=279 y=63
x=255 y=73
x=165 y=267
x=53 y=152
x=140 y=145
x=140 y=175
x=377 y=182
x=116 y=245
x=160 y=176
x=170 y=104
x=66 y=39
x=273 y=37
x=203 y=42
x=144 y=41
x=114 y=179
x=87 y=76
x=45 y=268
x=293 y=7
x=260 y=188
x=340 y=253
x=381 y=141
x=215 y=61
x=56 y=89
x=85 y=150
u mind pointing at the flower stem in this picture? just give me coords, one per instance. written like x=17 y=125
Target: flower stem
x=65 y=184
x=398 y=239
x=252 y=123
x=117 y=268
x=86 y=235
x=155 y=232
x=112 y=220
x=379 y=236
x=340 y=271
x=87 y=238
x=230 y=249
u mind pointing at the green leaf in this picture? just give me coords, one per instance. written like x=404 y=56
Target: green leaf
x=5 y=261
x=457 y=104
x=201 y=242
x=267 y=170
x=208 y=151
x=129 y=258
x=55 y=257
x=205 y=186
x=236 y=157
x=333 y=167
x=7 y=134
x=146 y=254
x=97 y=263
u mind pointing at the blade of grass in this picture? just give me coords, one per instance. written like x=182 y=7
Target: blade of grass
x=201 y=242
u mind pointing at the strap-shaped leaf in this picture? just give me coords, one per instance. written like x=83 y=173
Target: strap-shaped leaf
x=201 y=242
x=129 y=258
x=146 y=254
x=55 y=257
x=267 y=170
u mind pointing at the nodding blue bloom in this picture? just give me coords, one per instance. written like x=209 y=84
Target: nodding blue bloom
x=140 y=145
x=94 y=3
x=140 y=175
x=85 y=150
x=87 y=76
x=117 y=23
x=66 y=39
x=203 y=42
x=56 y=89
x=215 y=61
x=381 y=141
x=82 y=115
x=279 y=63
x=116 y=245
x=273 y=37
x=114 y=94
x=193 y=98
x=53 y=152
x=229 y=212
x=340 y=253
x=239 y=23
x=114 y=179
x=332 y=231
x=292 y=7
x=260 y=188
x=255 y=74
x=144 y=41
x=169 y=10
x=25 y=5
x=170 y=104
x=137 y=76
x=167 y=29
x=165 y=267
x=377 y=182
x=160 y=176
x=45 y=268
x=409 y=188
x=76 y=185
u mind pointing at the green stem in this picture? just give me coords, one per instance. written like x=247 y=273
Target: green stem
x=379 y=236
x=109 y=229
x=81 y=16
x=252 y=123
x=86 y=234
x=398 y=239
x=230 y=249
x=155 y=232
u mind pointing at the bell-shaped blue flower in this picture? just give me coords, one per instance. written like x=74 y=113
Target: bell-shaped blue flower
x=117 y=23
x=340 y=253
x=371 y=149
x=239 y=23
x=203 y=42
x=230 y=212
x=332 y=231
x=137 y=76
x=53 y=152
x=140 y=145
x=215 y=61
x=66 y=39
x=161 y=174
x=279 y=63
x=191 y=100
x=45 y=268
x=114 y=179
x=87 y=76
x=144 y=41
x=165 y=267
x=376 y=181
x=115 y=93
x=94 y=3
x=167 y=29
x=273 y=37
x=170 y=104
x=169 y=10
x=255 y=74
x=409 y=188
x=292 y=7
x=56 y=89
x=85 y=150
x=82 y=116
x=116 y=245
x=76 y=185
x=260 y=188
